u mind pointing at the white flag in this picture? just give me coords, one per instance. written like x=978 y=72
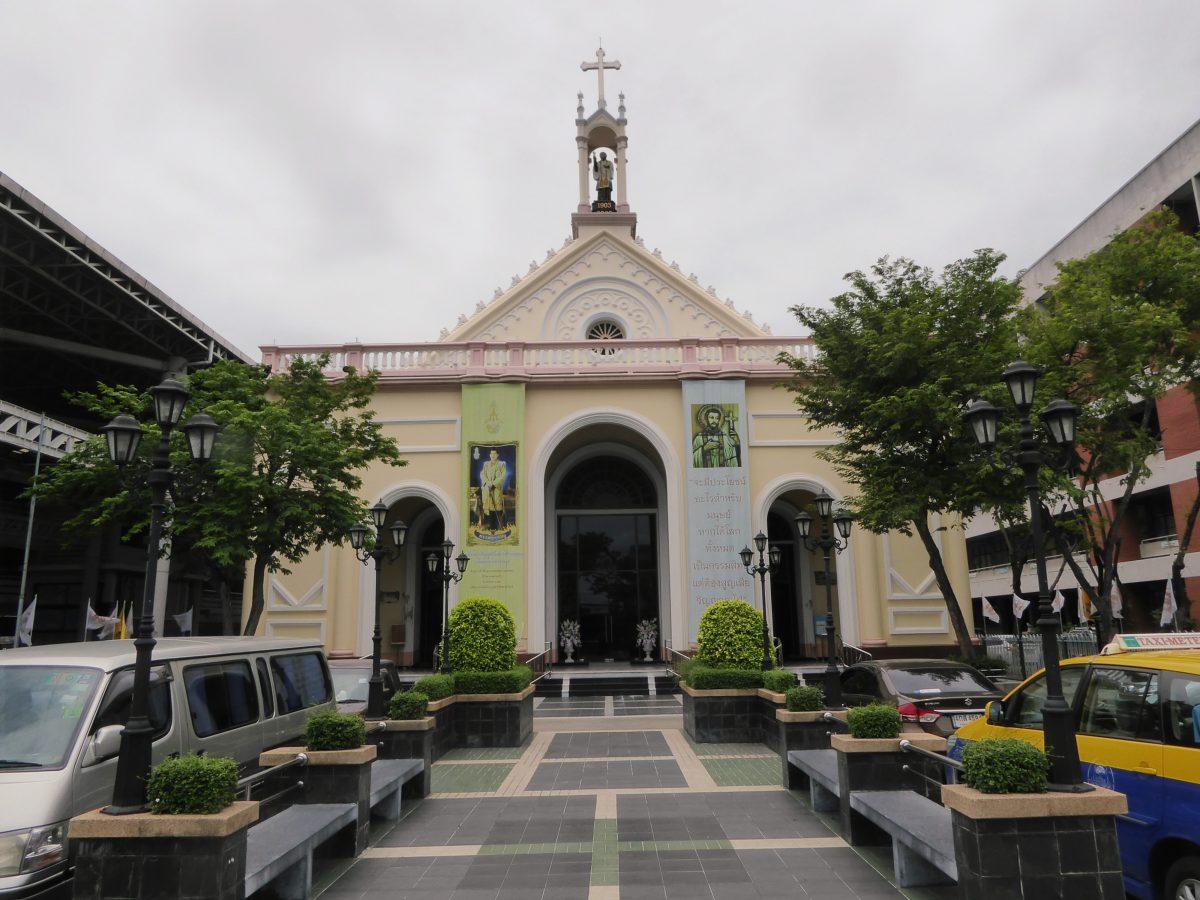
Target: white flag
x=1058 y=602
x=989 y=611
x=95 y=621
x=1118 y=604
x=184 y=621
x=1169 y=606
x=1019 y=605
x=1086 y=609
x=25 y=625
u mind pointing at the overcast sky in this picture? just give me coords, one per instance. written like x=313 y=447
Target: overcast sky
x=307 y=172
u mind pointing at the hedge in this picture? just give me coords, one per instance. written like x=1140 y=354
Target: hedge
x=408 y=705
x=705 y=678
x=483 y=636
x=805 y=698
x=874 y=721
x=192 y=785
x=512 y=681
x=730 y=636
x=1004 y=766
x=435 y=687
x=335 y=731
x=778 y=680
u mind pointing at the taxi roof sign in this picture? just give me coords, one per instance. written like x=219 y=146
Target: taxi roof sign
x=1125 y=643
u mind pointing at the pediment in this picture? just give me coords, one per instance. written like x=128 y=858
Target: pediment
x=605 y=276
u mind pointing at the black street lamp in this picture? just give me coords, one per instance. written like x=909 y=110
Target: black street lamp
x=441 y=564
x=123 y=434
x=829 y=543
x=1058 y=722
x=378 y=552
x=765 y=564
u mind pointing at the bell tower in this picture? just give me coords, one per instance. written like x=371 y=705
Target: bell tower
x=601 y=144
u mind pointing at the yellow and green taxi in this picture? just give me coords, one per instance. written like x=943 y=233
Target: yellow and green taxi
x=1137 y=716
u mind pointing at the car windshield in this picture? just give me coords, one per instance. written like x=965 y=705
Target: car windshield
x=929 y=680
x=350 y=684
x=41 y=708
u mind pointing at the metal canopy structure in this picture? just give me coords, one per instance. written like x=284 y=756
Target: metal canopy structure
x=72 y=314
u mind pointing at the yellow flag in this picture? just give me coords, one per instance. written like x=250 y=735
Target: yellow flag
x=120 y=632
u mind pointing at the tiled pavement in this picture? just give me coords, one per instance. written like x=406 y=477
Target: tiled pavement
x=607 y=814
x=608 y=707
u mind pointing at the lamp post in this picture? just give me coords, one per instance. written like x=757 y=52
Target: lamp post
x=441 y=564
x=123 y=435
x=1060 y=417
x=766 y=563
x=378 y=552
x=829 y=543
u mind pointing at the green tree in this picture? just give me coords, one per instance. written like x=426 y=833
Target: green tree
x=899 y=356
x=1115 y=332
x=283 y=480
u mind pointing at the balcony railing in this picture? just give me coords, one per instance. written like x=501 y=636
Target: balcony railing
x=1159 y=546
x=530 y=360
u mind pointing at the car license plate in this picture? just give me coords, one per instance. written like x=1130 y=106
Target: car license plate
x=964 y=719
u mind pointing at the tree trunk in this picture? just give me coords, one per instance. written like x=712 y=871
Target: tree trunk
x=965 y=647
x=258 y=594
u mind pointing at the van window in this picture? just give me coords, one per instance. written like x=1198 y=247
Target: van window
x=1025 y=709
x=220 y=696
x=41 y=710
x=301 y=681
x=264 y=688
x=1122 y=703
x=1183 y=710
x=114 y=708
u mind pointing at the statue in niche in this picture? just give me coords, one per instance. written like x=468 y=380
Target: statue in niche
x=602 y=174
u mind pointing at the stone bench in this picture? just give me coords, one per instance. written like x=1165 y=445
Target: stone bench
x=921 y=833
x=388 y=777
x=818 y=770
x=279 y=851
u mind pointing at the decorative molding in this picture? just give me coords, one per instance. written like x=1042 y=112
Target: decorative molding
x=943 y=620
x=456 y=421
x=280 y=599
x=272 y=624
x=898 y=587
x=783 y=442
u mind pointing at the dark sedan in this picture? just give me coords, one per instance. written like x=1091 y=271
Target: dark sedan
x=937 y=695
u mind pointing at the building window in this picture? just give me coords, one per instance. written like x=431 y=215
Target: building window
x=1154 y=513
x=605 y=330
x=987 y=551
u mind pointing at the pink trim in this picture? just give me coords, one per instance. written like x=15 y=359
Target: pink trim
x=744 y=357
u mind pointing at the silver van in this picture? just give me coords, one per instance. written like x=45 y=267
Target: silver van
x=63 y=706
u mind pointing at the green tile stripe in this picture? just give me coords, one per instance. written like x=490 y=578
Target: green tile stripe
x=604 y=852
x=743 y=772
x=484 y=753
x=742 y=750
x=469 y=779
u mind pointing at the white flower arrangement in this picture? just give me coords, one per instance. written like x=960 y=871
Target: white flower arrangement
x=647 y=637
x=568 y=638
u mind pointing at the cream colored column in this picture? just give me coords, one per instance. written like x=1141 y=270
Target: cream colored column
x=622 y=196
x=581 y=143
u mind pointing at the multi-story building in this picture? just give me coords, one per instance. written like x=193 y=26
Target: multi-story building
x=1160 y=502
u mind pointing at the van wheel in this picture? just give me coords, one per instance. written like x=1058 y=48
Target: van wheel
x=1183 y=879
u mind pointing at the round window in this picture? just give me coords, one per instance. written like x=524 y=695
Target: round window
x=605 y=330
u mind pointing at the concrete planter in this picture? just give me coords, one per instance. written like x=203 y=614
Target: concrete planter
x=1036 y=845
x=409 y=739
x=802 y=731
x=155 y=857
x=493 y=720
x=878 y=764
x=335 y=776
x=731 y=715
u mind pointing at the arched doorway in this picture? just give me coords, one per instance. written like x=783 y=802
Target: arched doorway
x=606 y=527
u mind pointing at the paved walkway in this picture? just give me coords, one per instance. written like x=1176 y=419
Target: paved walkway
x=606 y=808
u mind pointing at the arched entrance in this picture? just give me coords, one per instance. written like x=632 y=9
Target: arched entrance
x=606 y=522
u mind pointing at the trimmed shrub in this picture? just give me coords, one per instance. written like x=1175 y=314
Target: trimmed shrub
x=408 y=705
x=705 y=678
x=731 y=636
x=874 y=721
x=1004 y=766
x=192 y=784
x=335 y=731
x=778 y=680
x=435 y=687
x=483 y=636
x=512 y=681
x=805 y=698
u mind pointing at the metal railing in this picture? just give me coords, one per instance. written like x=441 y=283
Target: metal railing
x=835 y=721
x=250 y=782
x=1008 y=648
x=541 y=664
x=954 y=765
x=675 y=657
x=852 y=655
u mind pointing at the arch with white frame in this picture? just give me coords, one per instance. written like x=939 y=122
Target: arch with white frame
x=846 y=602
x=366 y=583
x=539 y=560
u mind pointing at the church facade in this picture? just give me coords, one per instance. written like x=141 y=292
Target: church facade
x=601 y=440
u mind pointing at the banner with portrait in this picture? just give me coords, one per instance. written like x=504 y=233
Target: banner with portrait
x=718 y=494
x=493 y=423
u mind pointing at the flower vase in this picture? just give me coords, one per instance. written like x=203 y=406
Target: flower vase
x=570 y=653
